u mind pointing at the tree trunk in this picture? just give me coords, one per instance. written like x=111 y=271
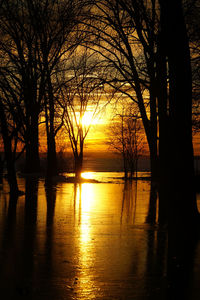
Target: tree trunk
x=78 y=161
x=163 y=120
x=151 y=216
x=177 y=150
x=1 y=170
x=12 y=180
x=51 y=155
x=153 y=139
x=125 y=165
x=153 y=159
x=51 y=144
x=182 y=205
x=32 y=146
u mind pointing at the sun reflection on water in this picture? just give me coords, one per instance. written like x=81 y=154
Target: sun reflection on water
x=88 y=237
x=102 y=210
x=87 y=199
x=85 y=202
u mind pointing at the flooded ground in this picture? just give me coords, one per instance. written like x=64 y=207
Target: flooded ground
x=86 y=241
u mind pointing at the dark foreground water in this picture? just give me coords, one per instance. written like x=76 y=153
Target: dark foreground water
x=88 y=241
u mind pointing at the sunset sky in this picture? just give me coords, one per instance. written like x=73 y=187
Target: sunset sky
x=98 y=135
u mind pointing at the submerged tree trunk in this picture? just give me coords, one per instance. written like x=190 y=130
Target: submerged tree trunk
x=78 y=164
x=10 y=163
x=125 y=165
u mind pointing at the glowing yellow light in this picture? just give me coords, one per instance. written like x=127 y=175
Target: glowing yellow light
x=87 y=175
x=89 y=119
x=84 y=200
x=87 y=197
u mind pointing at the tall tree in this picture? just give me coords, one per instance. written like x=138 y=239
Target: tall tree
x=9 y=156
x=80 y=99
x=124 y=33
x=56 y=24
x=126 y=137
x=183 y=216
x=36 y=35
x=192 y=15
x=182 y=202
x=20 y=70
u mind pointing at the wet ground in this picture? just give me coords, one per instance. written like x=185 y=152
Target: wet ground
x=87 y=241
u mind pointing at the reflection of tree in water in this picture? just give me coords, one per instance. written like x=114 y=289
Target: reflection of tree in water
x=46 y=261
x=77 y=200
x=8 y=248
x=169 y=263
x=156 y=265
x=19 y=245
x=25 y=284
x=31 y=196
x=129 y=201
x=170 y=258
x=10 y=219
x=181 y=265
x=51 y=201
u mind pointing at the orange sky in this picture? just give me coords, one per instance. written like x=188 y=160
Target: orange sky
x=98 y=137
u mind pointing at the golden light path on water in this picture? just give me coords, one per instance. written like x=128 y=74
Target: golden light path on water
x=85 y=199
x=100 y=214
x=83 y=241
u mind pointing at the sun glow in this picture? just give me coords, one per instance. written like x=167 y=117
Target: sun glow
x=87 y=175
x=89 y=119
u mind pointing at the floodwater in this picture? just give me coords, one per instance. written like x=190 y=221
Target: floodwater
x=86 y=241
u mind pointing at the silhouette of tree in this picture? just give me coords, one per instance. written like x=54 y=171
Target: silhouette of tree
x=56 y=25
x=125 y=33
x=21 y=79
x=178 y=120
x=80 y=95
x=9 y=154
x=192 y=15
x=137 y=41
x=125 y=137
x=35 y=37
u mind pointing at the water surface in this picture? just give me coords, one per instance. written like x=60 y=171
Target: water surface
x=85 y=241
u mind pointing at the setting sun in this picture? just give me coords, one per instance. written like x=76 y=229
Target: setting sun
x=87 y=175
x=89 y=119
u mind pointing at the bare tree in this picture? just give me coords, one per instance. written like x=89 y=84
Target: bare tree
x=8 y=150
x=80 y=96
x=22 y=82
x=56 y=24
x=125 y=34
x=36 y=35
x=125 y=137
x=192 y=15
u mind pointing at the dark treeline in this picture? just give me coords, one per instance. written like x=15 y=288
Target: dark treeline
x=35 y=37
x=141 y=49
